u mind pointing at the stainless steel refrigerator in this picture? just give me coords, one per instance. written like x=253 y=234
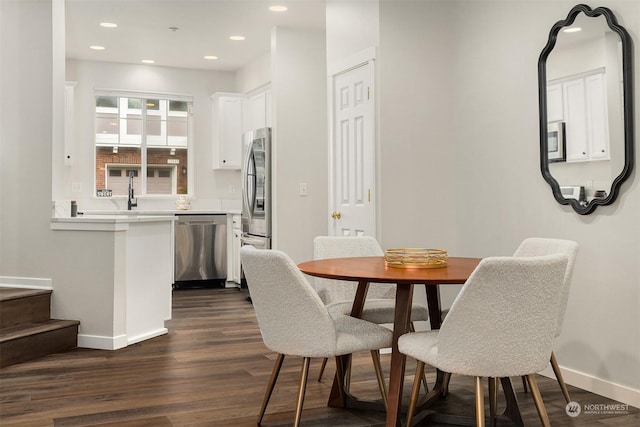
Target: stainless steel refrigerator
x=256 y=189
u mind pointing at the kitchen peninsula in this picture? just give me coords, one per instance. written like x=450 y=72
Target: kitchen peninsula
x=120 y=273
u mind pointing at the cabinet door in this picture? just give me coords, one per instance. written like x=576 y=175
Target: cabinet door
x=227 y=130
x=555 y=111
x=68 y=123
x=597 y=118
x=235 y=271
x=233 y=247
x=576 y=120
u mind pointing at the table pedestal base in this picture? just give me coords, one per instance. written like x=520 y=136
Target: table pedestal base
x=510 y=417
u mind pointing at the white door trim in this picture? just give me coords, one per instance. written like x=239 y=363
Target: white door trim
x=352 y=61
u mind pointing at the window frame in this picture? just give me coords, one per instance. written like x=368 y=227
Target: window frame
x=144 y=144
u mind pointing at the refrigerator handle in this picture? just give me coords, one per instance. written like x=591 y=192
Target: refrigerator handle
x=247 y=205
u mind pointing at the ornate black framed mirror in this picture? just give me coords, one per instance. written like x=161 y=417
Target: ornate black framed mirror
x=585 y=91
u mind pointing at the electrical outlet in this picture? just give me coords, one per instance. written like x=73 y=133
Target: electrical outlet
x=76 y=187
x=303 y=189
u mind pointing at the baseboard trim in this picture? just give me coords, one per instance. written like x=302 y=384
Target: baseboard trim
x=617 y=392
x=148 y=335
x=101 y=342
x=26 y=282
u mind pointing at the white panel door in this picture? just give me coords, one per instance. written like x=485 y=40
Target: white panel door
x=353 y=153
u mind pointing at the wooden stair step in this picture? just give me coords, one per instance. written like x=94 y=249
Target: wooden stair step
x=7 y=294
x=24 y=306
x=26 y=342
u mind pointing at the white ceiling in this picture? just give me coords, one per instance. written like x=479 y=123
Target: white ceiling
x=204 y=29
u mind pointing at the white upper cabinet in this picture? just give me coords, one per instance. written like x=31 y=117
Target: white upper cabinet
x=555 y=111
x=257 y=113
x=580 y=102
x=68 y=123
x=576 y=120
x=597 y=117
x=227 y=129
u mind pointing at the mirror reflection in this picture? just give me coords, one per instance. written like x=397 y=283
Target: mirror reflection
x=585 y=81
x=584 y=109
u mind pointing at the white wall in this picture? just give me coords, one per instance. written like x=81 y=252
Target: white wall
x=298 y=72
x=25 y=137
x=209 y=186
x=460 y=167
x=351 y=26
x=254 y=75
x=416 y=124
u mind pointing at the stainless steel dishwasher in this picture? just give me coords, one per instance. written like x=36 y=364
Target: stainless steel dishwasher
x=200 y=249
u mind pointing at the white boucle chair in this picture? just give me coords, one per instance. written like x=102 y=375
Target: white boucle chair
x=536 y=246
x=501 y=324
x=338 y=295
x=294 y=321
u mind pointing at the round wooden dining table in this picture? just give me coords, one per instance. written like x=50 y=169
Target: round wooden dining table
x=371 y=270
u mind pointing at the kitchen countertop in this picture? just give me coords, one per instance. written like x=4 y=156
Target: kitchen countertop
x=113 y=222
x=93 y=213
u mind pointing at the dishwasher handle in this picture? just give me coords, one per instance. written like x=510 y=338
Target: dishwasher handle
x=201 y=219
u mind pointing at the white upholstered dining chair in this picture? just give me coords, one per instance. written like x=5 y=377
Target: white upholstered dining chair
x=501 y=324
x=536 y=246
x=379 y=306
x=294 y=321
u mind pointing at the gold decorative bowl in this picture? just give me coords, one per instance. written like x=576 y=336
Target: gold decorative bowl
x=415 y=258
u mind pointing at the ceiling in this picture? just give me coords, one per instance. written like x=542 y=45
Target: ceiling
x=204 y=27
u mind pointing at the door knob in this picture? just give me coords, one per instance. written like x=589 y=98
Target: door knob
x=336 y=215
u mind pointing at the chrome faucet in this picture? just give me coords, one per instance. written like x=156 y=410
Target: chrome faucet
x=132 y=202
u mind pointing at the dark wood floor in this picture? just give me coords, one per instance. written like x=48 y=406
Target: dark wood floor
x=211 y=370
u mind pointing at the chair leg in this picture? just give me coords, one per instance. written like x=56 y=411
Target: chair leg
x=412 y=328
x=270 y=386
x=537 y=399
x=556 y=370
x=375 y=355
x=479 y=403
x=415 y=391
x=324 y=365
x=493 y=400
x=524 y=384
x=301 y=390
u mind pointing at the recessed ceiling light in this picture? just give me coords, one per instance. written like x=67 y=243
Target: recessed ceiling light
x=148 y=61
x=210 y=57
x=108 y=25
x=572 y=30
x=237 y=38
x=96 y=47
x=277 y=8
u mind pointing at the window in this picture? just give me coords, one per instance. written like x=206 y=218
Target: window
x=144 y=135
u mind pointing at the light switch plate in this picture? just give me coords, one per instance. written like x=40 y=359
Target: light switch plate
x=303 y=189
